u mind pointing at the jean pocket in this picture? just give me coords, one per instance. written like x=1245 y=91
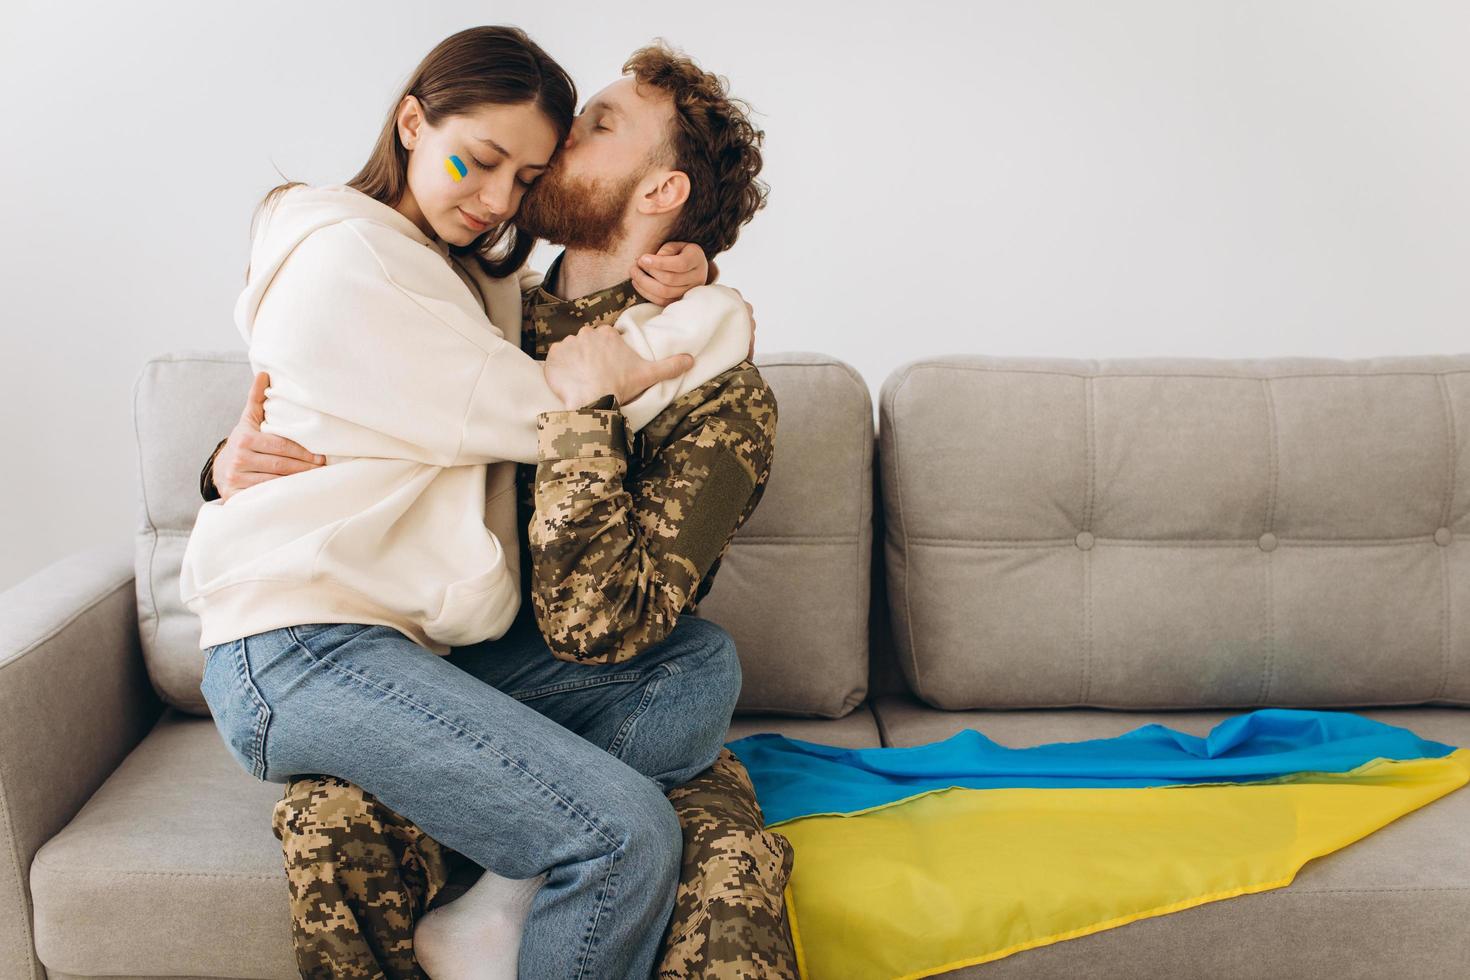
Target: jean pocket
x=317 y=637
x=240 y=713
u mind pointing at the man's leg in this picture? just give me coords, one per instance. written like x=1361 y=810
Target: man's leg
x=359 y=876
x=730 y=913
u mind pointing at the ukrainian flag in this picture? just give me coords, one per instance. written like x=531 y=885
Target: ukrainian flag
x=914 y=861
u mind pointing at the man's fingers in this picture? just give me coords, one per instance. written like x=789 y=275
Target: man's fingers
x=272 y=465
x=254 y=412
x=244 y=480
x=273 y=445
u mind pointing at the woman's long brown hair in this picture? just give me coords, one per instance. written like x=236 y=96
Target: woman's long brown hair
x=477 y=67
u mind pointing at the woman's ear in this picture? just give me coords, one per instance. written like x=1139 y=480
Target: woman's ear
x=669 y=194
x=410 y=121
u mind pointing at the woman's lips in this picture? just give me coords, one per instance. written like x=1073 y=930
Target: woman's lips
x=474 y=223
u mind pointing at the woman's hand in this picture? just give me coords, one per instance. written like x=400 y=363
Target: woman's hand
x=677 y=268
x=250 y=456
x=596 y=361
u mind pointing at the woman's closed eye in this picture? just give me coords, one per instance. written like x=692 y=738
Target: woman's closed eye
x=491 y=166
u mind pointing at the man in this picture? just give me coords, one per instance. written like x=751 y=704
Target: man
x=624 y=536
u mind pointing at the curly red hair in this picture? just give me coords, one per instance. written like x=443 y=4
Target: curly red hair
x=713 y=141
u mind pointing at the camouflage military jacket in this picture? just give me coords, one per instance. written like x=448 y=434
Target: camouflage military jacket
x=626 y=534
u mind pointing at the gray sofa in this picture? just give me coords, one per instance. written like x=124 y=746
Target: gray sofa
x=1043 y=549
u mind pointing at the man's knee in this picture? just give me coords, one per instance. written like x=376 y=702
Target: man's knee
x=313 y=803
x=324 y=818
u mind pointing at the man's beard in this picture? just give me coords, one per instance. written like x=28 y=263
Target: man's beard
x=576 y=213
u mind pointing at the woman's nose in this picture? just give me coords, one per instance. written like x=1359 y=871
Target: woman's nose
x=496 y=198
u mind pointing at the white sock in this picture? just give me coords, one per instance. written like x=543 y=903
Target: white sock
x=478 y=935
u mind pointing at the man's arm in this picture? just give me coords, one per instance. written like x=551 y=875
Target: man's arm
x=248 y=456
x=613 y=566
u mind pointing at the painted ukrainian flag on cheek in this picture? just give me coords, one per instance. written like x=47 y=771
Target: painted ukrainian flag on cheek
x=913 y=861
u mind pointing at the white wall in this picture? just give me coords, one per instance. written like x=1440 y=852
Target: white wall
x=1064 y=178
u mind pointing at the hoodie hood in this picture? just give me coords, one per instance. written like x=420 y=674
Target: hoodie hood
x=297 y=213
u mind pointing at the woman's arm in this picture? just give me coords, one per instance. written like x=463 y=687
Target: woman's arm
x=374 y=351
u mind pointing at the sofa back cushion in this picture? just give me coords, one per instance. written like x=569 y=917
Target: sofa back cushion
x=183 y=404
x=1179 y=533
x=793 y=589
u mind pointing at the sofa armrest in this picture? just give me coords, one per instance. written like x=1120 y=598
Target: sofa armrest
x=74 y=700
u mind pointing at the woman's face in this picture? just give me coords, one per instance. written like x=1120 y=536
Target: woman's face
x=468 y=173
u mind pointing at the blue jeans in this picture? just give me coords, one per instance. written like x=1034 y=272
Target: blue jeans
x=519 y=761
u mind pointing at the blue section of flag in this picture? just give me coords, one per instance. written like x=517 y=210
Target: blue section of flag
x=795 y=778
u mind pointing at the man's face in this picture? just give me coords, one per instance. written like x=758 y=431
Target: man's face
x=618 y=144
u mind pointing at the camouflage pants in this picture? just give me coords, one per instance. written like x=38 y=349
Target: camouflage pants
x=359 y=876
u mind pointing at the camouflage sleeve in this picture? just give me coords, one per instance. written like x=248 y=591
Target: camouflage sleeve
x=614 y=562
x=729 y=916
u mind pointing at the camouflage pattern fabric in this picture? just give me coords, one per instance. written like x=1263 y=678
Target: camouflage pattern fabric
x=626 y=534
x=360 y=876
x=547 y=318
x=617 y=557
x=729 y=915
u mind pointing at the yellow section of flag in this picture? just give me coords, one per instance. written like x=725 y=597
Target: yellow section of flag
x=958 y=876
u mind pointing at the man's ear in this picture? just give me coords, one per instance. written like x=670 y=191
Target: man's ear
x=669 y=194
x=410 y=119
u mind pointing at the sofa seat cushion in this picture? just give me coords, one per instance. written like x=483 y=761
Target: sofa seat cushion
x=857 y=729
x=1395 y=903
x=171 y=868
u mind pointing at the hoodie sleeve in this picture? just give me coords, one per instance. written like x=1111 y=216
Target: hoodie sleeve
x=710 y=322
x=375 y=347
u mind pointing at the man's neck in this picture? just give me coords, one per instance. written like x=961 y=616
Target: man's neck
x=584 y=271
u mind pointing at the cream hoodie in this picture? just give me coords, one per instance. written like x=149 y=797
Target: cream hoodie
x=401 y=365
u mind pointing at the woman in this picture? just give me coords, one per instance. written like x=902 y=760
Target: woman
x=328 y=599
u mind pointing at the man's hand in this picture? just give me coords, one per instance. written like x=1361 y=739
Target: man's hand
x=677 y=268
x=250 y=456
x=596 y=361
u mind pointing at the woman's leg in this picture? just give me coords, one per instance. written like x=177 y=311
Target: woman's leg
x=477 y=770
x=666 y=712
